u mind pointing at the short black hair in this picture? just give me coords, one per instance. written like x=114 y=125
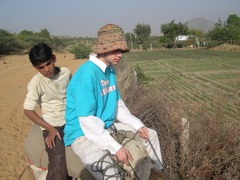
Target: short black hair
x=40 y=53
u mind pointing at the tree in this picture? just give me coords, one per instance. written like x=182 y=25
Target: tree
x=172 y=30
x=165 y=41
x=44 y=34
x=233 y=20
x=233 y=34
x=197 y=33
x=43 y=37
x=142 y=32
x=26 y=37
x=25 y=33
x=30 y=38
x=233 y=28
x=199 y=36
x=218 y=33
x=58 y=43
x=8 y=42
x=227 y=32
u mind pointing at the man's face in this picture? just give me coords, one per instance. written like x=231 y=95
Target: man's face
x=47 y=69
x=113 y=57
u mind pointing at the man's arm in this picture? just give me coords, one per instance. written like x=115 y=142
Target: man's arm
x=30 y=103
x=124 y=116
x=93 y=128
x=32 y=115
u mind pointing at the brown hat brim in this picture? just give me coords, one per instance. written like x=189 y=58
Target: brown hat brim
x=102 y=48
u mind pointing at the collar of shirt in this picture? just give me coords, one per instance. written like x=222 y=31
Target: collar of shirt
x=98 y=62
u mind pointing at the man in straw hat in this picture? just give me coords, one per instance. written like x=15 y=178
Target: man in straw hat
x=93 y=104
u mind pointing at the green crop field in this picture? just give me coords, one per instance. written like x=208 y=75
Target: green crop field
x=194 y=76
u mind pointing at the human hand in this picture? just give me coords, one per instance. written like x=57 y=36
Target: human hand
x=51 y=137
x=124 y=155
x=143 y=133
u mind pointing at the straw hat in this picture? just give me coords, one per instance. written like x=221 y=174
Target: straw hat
x=109 y=38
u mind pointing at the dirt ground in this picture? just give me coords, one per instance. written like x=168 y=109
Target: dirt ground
x=227 y=47
x=15 y=73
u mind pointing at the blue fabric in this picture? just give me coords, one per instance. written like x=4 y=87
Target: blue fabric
x=90 y=92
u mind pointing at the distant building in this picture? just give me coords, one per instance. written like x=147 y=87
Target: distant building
x=187 y=41
x=182 y=38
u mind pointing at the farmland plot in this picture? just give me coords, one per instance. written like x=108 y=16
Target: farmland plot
x=199 y=78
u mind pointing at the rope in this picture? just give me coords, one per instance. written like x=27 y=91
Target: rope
x=30 y=162
x=120 y=172
x=98 y=167
x=155 y=153
x=149 y=143
x=40 y=161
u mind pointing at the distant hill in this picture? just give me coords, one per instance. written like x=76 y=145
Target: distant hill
x=201 y=24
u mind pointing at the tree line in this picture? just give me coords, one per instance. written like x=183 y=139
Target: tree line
x=23 y=41
x=224 y=32
x=227 y=31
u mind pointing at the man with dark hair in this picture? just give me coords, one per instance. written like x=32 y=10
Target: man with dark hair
x=93 y=104
x=48 y=90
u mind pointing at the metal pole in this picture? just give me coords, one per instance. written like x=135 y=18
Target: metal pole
x=131 y=40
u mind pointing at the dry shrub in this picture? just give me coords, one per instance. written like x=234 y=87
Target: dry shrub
x=213 y=145
x=214 y=138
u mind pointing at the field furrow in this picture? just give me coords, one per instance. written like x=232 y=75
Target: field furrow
x=195 y=76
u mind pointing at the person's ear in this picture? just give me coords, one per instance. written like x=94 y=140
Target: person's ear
x=54 y=58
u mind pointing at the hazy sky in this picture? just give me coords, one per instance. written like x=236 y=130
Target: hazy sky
x=85 y=17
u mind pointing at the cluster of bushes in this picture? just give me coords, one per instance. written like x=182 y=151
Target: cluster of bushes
x=9 y=43
x=81 y=51
x=211 y=148
x=15 y=43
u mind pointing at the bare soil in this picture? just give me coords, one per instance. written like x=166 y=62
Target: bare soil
x=227 y=47
x=15 y=73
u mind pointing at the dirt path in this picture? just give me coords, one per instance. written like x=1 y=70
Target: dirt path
x=15 y=72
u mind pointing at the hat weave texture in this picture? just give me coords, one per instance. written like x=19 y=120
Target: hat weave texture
x=110 y=37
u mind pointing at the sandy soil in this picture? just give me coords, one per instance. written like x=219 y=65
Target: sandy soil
x=15 y=72
x=227 y=47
